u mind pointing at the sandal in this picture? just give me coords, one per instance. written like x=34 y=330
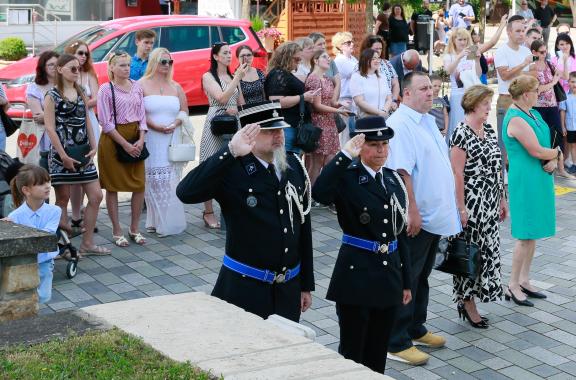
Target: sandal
x=120 y=241
x=213 y=226
x=137 y=238
x=95 y=251
x=78 y=224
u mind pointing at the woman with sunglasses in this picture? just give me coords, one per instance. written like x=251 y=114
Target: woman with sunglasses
x=89 y=83
x=44 y=80
x=224 y=95
x=547 y=104
x=347 y=64
x=73 y=148
x=252 y=84
x=166 y=111
x=123 y=119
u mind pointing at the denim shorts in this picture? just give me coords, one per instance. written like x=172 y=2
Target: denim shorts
x=290 y=140
x=45 y=272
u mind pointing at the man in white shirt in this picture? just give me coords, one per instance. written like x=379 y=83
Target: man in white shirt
x=510 y=60
x=461 y=15
x=420 y=154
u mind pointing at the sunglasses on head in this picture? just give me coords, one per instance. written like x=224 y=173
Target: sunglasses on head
x=84 y=53
x=221 y=43
x=165 y=62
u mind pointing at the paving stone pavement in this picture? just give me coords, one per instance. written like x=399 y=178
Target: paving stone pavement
x=521 y=343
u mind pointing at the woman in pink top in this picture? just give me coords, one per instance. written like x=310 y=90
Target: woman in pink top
x=123 y=120
x=564 y=61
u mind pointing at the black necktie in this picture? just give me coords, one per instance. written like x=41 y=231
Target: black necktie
x=272 y=171
x=379 y=180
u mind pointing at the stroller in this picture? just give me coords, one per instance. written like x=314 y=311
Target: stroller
x=8 y=169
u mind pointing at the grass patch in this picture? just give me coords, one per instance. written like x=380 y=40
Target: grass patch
x=103 y=355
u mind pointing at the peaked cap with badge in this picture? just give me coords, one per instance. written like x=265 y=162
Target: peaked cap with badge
x=263 y=273
x=374 y=128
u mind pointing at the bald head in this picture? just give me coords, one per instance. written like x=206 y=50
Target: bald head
x=410 y=59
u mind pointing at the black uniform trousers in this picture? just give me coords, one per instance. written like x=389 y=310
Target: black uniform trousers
x=364 y=334
x=411 y=318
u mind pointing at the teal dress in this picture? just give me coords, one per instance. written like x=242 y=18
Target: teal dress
x=531 y=189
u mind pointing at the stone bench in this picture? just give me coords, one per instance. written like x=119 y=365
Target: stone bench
x=224 y=339
x=19 y=248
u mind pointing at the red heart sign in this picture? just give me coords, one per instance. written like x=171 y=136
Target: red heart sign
x=26 y=143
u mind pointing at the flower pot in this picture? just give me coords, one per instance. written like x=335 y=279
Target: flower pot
x=269 y=44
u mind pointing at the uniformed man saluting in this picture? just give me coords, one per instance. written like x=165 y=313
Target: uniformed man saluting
x=371 y=278
x=265 y=199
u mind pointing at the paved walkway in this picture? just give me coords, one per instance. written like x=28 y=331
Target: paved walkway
x=522 y=343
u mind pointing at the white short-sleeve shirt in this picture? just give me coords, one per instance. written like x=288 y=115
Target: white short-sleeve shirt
x=374 y=89
x=419 y=148
x=505 y=56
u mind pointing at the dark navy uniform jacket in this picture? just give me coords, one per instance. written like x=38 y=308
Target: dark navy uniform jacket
x=361 y=277
x=258 y=229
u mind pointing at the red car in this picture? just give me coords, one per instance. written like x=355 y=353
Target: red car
x=188 y=38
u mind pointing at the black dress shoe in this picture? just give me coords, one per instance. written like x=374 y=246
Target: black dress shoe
x=463 y=313
x=516 y=300
x=532 y=294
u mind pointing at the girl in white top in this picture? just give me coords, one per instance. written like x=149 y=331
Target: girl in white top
x=369 y=88
x=457 y=60
x=304 y=67
x=347 y=64
x=166 y=111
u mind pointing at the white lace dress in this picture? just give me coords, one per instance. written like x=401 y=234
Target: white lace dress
x=165 y=212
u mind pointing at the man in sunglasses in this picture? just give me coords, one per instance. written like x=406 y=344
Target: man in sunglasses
x=144 y=45
x=265 y=197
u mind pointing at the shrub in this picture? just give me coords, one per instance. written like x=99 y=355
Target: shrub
x=12 y=49
x=257 y=23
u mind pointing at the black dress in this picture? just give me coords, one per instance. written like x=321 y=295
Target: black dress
x=253 y=92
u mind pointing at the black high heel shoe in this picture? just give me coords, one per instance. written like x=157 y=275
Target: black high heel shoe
x=463 y=313
x=532 y=294
x=516 y=300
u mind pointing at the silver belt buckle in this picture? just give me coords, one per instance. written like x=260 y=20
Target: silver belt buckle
x=279 y=278
x=383 y=248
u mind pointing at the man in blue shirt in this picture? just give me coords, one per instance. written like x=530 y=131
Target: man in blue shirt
x=144 y=45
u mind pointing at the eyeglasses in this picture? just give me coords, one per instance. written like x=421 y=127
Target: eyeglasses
x=348 y=43
x=74 y=69
x=165 y=62
x=84 y=53
x=541 y=51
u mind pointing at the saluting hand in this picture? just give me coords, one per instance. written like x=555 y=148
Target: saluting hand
x=244 y=140
x=354 y=145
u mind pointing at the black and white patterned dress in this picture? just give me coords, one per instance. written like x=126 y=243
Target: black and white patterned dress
x=70 y=118
x=483 y=189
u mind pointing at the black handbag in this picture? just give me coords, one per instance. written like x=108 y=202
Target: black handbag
x=121 y=154
x=10 y=125
x=457 y=257
x=224 y=124
x=308 y=136
x=78 y=153
x=340 y=124
x=559 y=92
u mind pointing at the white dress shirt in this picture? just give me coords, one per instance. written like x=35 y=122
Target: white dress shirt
x=419 y=149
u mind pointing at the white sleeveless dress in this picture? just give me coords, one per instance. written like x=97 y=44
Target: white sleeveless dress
x=93 y=120
x=165 y=212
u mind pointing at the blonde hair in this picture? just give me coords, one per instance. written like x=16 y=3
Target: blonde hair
x=475 y=95
x=28 y=175
x=521 y=85
x=112 y=59
x=304 y=42
x=338 y=39
x=283 y=57
x=458 y=33
x=153 y=62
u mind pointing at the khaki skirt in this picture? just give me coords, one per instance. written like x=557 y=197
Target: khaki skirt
x=119 y=176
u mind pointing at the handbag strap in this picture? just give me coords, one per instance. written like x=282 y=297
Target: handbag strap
x=113 y=104
x=301 y=108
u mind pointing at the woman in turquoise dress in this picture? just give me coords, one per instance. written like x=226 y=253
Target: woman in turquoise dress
x=530 y=184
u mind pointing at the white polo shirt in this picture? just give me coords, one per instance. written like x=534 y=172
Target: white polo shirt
x=419 y=148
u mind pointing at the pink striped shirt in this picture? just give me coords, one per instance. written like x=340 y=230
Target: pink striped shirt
x=129 y=105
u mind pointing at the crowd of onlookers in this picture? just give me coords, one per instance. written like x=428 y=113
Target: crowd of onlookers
x=453 y=162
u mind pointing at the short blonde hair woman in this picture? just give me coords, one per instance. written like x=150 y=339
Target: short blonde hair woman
x=123 y=121
x=530 y=183
x=480 y=199
x=305 y=65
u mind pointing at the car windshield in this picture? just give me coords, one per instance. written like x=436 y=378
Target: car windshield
x=89 y=36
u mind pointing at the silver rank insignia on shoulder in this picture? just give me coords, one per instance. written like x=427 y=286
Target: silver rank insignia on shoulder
x=251 y=201
x=251 y=168
x=362 y=179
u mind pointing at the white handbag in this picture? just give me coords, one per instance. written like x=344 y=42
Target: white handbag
x=180 y=151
